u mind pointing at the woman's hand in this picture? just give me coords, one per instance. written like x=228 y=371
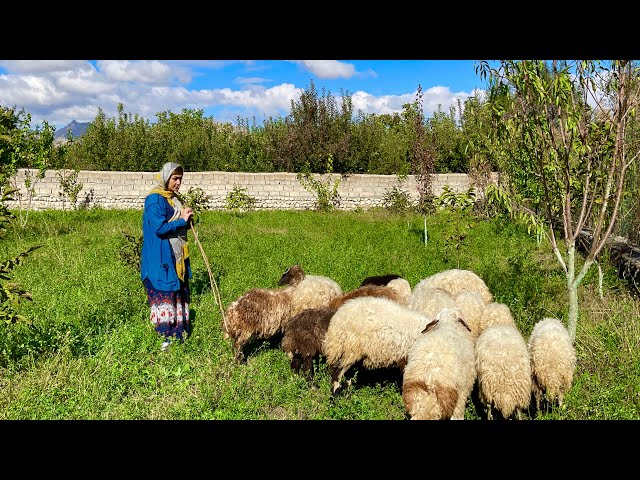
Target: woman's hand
x=186 y=213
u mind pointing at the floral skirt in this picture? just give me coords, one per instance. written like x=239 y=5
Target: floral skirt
x=169 y=310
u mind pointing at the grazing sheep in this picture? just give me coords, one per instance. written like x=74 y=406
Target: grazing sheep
x=401 y=286
x=503 y=371
x=368 y=290
x=303 y=337
x=472 y=306
x=305 y=331
x=313 y=291
x=440 y=371
x=455 y=281
x=495 y=313
x=379 y=279
x=430 y=301
x=260 y=313
x=553 y=360
x=377 y=332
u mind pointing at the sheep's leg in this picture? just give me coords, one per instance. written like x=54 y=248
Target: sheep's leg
x=308 y=366
x=238 y=346
x=458 y=412
x=296 y=362
x=489 y=413
x=336 y=376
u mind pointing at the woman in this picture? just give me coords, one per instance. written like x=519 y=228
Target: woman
x=164 y=261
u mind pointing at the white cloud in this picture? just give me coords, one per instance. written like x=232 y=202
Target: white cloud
x=251 y=80
x=29 y=90
x=328 y=69
x=145 y=71
x=41 y=66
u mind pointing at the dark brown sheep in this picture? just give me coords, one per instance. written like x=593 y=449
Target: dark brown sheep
x=303 y=336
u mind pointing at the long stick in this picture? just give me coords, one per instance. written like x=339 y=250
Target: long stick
x=214 y=285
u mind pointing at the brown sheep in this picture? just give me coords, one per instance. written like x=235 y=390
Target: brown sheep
x=260 y=313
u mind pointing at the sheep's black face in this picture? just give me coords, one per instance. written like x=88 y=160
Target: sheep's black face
x=291 y=276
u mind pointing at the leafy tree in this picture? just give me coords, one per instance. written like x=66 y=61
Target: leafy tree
x=446 y=139
x=564 y=124
x=13 y=141
x=24 y=147
x=317 y=128
x=422 y=156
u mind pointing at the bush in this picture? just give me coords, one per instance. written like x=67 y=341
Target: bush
x=397 y=200
x=239 y=201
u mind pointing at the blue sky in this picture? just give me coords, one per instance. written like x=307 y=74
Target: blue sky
x=60 y=91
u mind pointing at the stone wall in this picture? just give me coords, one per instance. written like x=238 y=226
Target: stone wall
x=272 y=191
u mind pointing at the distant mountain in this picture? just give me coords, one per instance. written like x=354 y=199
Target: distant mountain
x=77 y=129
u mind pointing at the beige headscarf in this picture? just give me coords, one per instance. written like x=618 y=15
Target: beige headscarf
x=178 y=239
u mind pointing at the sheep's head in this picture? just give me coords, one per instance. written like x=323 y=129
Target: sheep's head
x=291 y=276
x=452 y=314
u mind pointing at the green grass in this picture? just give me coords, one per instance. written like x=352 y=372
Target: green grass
x=91 y=352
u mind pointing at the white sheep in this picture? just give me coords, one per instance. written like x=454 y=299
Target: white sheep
x=313 y=291
x=503 y=370
x=495 y=313
x=375 y=331
x=553 y=360
x=369 y=290
x=472 y=306
x=260 y=313
x=430 y=300
x=440 y=371
x=402 y=286
x=305 y=331
x=455 y=281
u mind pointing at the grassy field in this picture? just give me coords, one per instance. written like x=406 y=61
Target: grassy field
x=91 y=352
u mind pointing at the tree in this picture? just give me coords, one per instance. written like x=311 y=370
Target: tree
x=422 y=156
x=13 y=148
x=565 y=125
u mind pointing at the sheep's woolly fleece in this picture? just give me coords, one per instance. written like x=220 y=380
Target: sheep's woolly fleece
x=553 y=360
x=472 y=306
x=314 y=291
x=430 y=300
x=503 y=369
x=260 y=312
x=368 y=290
x=495 y=313
x=377 y=331
x=303 y=336
x=455 y=281
x=403 y=287
x=440 y=371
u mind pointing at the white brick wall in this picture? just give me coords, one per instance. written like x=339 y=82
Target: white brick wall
x=281 y=191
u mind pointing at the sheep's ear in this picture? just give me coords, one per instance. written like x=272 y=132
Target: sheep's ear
x=461 y=320
x=430 y=325
x=286 y=277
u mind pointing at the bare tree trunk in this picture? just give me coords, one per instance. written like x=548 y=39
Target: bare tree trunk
x=572 y=289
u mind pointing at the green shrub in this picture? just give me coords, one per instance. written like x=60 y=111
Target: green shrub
x=397 y=200
x=238 y=201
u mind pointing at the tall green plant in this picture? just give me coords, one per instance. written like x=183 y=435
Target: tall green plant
x=27 y=148
x=325 y=191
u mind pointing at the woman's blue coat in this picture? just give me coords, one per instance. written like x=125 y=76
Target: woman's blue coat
x=157 y=262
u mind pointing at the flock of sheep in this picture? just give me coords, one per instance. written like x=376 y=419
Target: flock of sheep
x=447 y=335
